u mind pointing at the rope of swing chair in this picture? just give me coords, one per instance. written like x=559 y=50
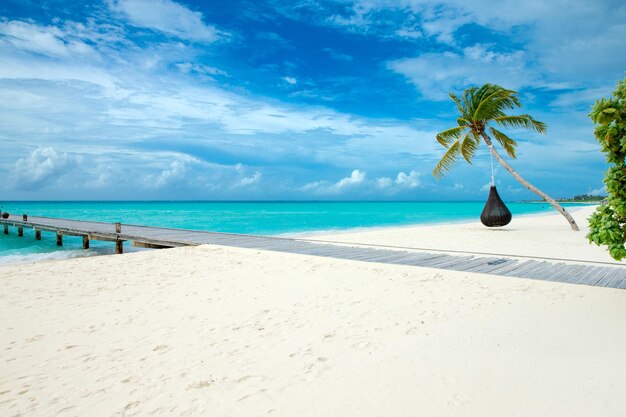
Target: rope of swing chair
x=493 y=181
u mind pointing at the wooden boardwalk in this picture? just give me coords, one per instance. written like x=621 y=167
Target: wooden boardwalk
x=596 y=274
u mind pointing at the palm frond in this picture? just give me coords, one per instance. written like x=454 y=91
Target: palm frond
x=457 y=101
x=464 y=121
x=447 y=136
x=492 y=100
x=468 y=148
x=507 y=143
x=523 y=120
x=448 y=160
x=469 y=101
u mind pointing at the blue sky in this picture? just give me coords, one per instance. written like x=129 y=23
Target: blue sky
x=303 y=99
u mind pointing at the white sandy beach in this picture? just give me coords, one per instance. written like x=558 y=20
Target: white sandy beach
x=216 y=331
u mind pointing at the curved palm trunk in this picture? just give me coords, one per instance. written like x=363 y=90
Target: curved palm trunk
x=528 y=185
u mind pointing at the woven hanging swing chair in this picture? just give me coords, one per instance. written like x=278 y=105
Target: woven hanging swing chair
x=495 y=213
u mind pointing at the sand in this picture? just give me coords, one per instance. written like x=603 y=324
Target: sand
x=215 y=331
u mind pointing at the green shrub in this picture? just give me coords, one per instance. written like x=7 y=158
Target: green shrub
x=608 y=224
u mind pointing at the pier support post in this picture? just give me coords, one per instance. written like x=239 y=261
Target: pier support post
x=20 y=231
x=119 y=246
x=37 y=234
x=6 y=229
x=85 y=242
x=59 y=239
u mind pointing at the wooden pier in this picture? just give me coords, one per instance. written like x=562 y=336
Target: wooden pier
x=585 y=273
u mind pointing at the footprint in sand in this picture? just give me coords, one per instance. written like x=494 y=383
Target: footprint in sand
x=362 y=345
x=201 y=384
x=160 y=347
x=35 y=338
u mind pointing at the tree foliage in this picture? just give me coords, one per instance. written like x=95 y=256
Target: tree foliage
x=479 y=107
x=608 y=224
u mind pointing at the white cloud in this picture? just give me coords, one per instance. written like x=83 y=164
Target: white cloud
x=411 y=181
x=290 y=80
x=402 y=182
x=585 y=97
x=384 y=182
x=176 y=172
x=168 y=17
x=437 y=73
x=190 y=67
x=409 y=33
x=356 y=179
x=46 y=40
x=246 y=180
x=254 y=179
x=44 y=166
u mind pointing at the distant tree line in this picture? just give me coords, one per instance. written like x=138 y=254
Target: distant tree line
x=584 y=198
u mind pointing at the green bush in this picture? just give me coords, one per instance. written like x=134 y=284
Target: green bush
x=608 y=224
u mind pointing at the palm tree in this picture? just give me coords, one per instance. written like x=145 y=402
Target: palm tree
x=479 y=107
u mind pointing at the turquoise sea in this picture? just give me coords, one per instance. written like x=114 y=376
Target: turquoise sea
x=264 y=218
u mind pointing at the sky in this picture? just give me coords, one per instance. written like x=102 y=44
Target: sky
x=293 y=100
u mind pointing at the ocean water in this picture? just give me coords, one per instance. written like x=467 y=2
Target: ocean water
x=263 y=218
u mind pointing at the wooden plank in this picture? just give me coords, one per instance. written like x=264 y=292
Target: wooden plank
x=566 y=272
x=617 y=279
x=606 y=278
x=439 y=261
x=470 y=264
x=524 y=266
x=546 y=272
x=508 y=266
x=403 y=258
x=433 y=260
x=579 y=274
x=497 y=265
x=480 y=265
x=412 y=259
x=359 y=255
x=315 y=251
x=388 y=257
x=453 y=261
x=532 y=270
x=595 y=278
x=586 y=277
